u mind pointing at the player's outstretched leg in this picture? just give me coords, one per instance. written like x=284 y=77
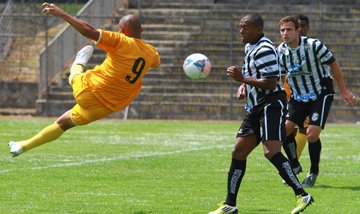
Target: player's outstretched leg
x=81 y=60
x=83 y=56
x=46 y=135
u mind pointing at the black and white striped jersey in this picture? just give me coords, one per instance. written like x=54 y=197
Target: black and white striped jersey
x=261 y=61
x=305 y=66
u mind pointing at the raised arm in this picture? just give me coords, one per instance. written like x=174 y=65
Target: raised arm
x=81 y=26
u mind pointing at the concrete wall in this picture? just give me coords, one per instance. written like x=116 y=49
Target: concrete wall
x=18 y=94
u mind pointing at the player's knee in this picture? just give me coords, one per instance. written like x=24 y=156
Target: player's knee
x=312 y=135
x=65 y=122
x=239 y=153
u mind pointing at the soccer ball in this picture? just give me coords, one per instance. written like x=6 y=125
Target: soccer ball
x=197 y=66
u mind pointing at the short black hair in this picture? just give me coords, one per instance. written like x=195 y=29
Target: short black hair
x=303 y=18
x=257 y=20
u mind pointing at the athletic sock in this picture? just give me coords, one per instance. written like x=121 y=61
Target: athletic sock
x=301 y=140
x=46 y=135
x=235 y=175
x=75 y=70
x=314 y=152
x=286 y=172
x=290 y=149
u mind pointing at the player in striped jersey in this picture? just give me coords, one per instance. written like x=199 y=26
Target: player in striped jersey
x=265 y=119
x=307 y=63
x=108 y=87
x=296 y=141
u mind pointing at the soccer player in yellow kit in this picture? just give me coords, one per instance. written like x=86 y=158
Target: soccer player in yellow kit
x=108 y=87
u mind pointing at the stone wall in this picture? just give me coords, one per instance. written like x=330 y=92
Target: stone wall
x=18 y=94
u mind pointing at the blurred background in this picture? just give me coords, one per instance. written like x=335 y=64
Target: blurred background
x=36 y=51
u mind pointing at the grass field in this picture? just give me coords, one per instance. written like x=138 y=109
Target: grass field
x=142 y=167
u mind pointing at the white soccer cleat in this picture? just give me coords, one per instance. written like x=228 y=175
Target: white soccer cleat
x=15 y=148
x=83 y=56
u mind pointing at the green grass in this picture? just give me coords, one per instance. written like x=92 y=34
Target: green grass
x=143 y=167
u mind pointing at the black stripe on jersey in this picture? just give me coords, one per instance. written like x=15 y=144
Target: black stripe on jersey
x=331 y=60
x=318 y=49
x=258 y=56
x=267 y=64
x=324 y=54
x=319 y=67
x=308 y=64
x=263 y=54
x=294 y=78
x=248 y=64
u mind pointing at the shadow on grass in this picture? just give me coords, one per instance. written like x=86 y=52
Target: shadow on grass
x=354 y=188
x=262 y=211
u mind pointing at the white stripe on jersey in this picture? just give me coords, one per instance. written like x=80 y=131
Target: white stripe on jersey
x=305 y=66
x=261 y=61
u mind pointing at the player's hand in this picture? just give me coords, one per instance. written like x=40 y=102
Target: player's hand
x=235 y=73
x=241 y=92
x=51 y=9
x=348 y=98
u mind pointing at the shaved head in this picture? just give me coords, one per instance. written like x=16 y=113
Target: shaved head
x=251 y=28
x=254 y=19
x=130 y=25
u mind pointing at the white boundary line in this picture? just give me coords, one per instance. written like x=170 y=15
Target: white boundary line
x=113 y=158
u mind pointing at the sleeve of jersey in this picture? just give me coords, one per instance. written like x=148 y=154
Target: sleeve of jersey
x=323 y=53
x=157 y=60
x=108 y=40
x=266 y=62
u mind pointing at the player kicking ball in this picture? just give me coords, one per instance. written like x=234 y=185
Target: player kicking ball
x=108 y=87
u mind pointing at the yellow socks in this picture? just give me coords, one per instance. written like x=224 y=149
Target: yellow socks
x=74 y=71
x=48 y=134
x=301 y=140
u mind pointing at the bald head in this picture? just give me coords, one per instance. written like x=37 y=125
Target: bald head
x=130 y=25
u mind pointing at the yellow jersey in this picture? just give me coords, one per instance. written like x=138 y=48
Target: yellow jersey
x=117 y=81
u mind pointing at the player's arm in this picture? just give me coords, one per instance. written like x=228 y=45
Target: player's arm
x=264 y=83
x=347 y=96
x=81 y=26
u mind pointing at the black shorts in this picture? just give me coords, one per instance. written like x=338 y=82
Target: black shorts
x=317 y=110
x=266 y=120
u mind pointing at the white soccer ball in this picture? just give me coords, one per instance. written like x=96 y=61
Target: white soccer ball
x=197 y=66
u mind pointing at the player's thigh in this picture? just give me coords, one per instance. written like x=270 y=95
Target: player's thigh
x=88 y=109
x=319 y=110
x=297 y=112
x=273 y=122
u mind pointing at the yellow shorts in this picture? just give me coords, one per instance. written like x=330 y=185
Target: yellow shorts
x=88 y=107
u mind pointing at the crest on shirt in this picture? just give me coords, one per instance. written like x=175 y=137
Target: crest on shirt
x=307 y=46
x=315 y=116
x=268 y=69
